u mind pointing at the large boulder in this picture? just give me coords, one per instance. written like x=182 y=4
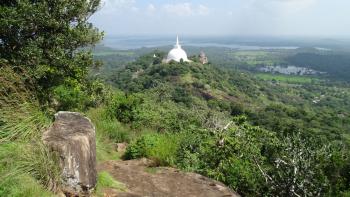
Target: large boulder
x=73 y=136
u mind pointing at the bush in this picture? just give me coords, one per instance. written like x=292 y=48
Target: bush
x=70 y=97
x=162 y=148
x=232 y=156
x=124 y=108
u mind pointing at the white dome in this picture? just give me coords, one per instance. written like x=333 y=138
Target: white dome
x=177 y=53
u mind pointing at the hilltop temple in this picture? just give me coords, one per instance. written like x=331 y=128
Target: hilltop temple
x=177 y=53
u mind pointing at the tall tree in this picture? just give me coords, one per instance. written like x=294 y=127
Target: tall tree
x=46 y=39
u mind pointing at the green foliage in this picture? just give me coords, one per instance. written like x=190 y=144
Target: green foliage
x=196 y=105
x=45 y=39
x=20 y=114
x=162 y=148
x=124 y=107
x=70 y=97
x=105 y=180
x=23 y=185
x=108 y=132
x=335 y=65
x=233 y=156
x=287 y=78
x=22 y=155
x=33 y=159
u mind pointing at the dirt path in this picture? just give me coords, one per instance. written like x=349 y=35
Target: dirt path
x=143 y=180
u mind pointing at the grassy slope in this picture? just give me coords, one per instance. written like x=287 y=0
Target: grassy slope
x=26 y=165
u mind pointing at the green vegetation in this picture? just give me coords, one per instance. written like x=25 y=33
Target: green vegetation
x=105 y=180
x=258 y=58
x=23 y=185
x=43 y=68
x=160 y=147
x=258 y=137
x=289 y=141
x=26 y=165
x=287 y=78
x=109 y=131
x=44 y=39
x=336 y=65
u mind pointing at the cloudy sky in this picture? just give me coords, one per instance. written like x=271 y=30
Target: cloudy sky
x=225 y=17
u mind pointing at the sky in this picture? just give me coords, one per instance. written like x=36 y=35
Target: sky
x=326 y=18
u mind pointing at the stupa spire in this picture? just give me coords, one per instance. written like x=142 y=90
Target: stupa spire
x=177 y=42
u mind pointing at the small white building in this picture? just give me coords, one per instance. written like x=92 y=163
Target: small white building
x=177 y=53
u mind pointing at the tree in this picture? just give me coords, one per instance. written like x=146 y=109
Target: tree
x=46 y=39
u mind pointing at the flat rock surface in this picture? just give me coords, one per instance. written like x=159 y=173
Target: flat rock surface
x=141 y=179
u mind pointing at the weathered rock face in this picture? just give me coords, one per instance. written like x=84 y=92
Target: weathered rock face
x=73 y=136
x=139 y=181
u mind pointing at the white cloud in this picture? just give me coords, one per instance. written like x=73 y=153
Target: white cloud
x=185 y=9
x=135 y=9
x=203 y=10
x=151 y=8
x=109 y=6
x=283 y=6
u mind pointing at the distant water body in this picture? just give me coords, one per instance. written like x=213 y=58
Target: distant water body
x=135 y=42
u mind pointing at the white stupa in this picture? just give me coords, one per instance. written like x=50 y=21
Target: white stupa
x=177 y=53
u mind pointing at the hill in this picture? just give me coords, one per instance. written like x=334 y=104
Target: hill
x=314 y=107
x=255 y=136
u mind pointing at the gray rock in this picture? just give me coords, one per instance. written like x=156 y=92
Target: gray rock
x=73 y=136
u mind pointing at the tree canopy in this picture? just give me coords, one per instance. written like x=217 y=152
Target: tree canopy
x=46 y=37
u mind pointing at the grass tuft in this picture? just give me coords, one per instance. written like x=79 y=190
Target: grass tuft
x=27 y=167
x=105 y=180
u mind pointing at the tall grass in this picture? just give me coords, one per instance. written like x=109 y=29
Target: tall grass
x=20 y=114
x=25 y=163
x=109 y=132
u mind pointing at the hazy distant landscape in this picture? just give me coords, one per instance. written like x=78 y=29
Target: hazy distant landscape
x=269 y=55
x=242 y=43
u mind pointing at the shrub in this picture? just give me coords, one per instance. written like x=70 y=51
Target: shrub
x=124 y=108
x=160 y=147
x=70 y=97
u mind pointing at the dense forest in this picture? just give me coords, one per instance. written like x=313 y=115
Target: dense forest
x=336 y=65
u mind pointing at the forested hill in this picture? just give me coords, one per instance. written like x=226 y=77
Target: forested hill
x=255 y=136
x=336 y=65
x=275 y=106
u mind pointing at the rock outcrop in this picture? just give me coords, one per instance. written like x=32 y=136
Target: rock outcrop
x=142 y=179
x=73 y=136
